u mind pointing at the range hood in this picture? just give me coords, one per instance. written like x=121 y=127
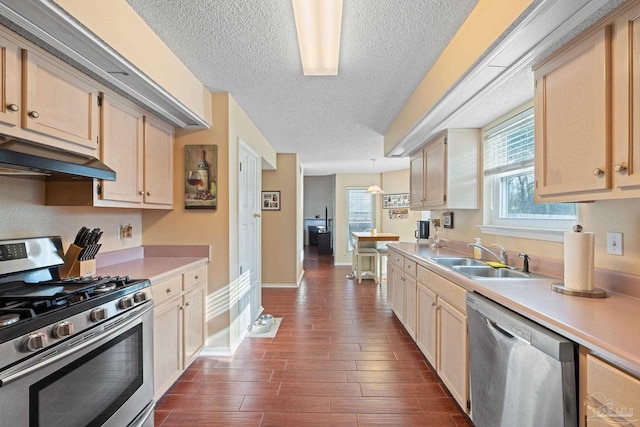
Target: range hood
x=22 y=157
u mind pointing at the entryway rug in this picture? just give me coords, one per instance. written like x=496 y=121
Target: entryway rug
x=271 y=333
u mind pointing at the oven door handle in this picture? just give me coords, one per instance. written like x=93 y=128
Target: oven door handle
x=116 y=329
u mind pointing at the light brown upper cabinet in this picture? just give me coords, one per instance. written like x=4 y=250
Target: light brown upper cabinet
x=587 y=121
x=140 y=149
x=46 y=101
x=10 y=101
x=60 y=103
x=444 y=172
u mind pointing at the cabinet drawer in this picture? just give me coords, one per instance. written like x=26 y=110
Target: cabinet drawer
x=446 y=289
x=166 y=290
x=195 y=277
x=611 y=390
x=398 y=259
x=410 y=267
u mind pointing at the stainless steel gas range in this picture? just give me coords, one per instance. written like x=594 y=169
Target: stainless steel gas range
x=73 y=352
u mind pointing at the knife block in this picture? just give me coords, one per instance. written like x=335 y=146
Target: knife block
x=73 y=267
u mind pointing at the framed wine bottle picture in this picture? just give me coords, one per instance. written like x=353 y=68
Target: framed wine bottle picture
x=201 y=177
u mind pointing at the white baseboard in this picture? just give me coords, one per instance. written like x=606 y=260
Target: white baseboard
x=280 y=285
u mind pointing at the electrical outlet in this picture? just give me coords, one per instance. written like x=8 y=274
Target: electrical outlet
x=614 y=243
x=125 y=231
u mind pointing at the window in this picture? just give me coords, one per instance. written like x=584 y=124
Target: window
x=360 y=212
x=509 y=180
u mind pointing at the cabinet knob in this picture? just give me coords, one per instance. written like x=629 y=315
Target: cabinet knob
x=148 y=193
x=169 y=290
x=13 y=107
x=187 y=304
x=34 y=114
x=598 y=172
x=433 y=304
x=197 y=276
x=620 y=168
x=141 y=193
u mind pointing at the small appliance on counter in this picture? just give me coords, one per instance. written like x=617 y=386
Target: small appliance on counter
x=422 y=233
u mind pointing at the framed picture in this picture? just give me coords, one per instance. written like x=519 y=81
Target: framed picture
x=270 y=200
x=393 y=201
x=201 y=177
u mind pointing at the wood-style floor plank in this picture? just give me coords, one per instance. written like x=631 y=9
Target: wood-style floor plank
x=340 y=358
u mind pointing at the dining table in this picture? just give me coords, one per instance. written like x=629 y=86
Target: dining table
x=368 y=239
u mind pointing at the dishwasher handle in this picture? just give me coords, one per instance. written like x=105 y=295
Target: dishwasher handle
x=494 y=326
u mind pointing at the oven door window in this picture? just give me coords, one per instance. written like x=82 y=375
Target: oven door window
x=88 y=391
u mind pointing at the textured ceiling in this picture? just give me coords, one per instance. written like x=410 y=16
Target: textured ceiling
x=336 y=124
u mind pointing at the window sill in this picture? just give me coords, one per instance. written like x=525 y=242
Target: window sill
x=524 y=233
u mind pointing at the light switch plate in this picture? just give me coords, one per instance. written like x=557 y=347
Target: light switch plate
x=614 y=243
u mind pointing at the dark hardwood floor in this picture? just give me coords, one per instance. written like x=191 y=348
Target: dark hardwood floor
x=340 y=358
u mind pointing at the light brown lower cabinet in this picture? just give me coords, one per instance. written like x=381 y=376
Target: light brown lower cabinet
x=179 y=325
x=442 y=332
x=613 y=396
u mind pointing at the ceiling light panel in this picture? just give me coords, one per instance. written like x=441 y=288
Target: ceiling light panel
x=318 y=25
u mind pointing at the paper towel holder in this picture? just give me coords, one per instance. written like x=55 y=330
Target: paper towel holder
x=591 y=293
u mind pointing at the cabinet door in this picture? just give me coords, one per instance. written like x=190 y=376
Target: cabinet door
x=426 y=333
x=416 y=194
x=626 y=101
x=158 y=166
x=435 y=173
x=59 y=103
x=397 y=292
x=410 y=305
x=122 y=125
x=573 y=120
x=611 y=393
x=390 y=283
x=11 y=84
x=453 y=359
x=194 y=324
x=167 y=345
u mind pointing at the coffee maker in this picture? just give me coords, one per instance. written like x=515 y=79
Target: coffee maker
x=422 y=233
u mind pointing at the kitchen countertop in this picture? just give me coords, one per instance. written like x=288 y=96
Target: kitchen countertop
x=156 y=263
x=606 y=326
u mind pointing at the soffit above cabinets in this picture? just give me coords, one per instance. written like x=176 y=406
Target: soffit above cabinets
x=48 y=26
x=544 y=27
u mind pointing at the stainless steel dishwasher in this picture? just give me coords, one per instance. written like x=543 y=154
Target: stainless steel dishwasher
x=521 y=374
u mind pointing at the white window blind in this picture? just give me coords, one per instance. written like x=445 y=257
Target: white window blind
x=360 y=213
x=509 y=146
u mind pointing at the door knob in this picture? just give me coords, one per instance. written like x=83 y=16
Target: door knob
x=256 y=215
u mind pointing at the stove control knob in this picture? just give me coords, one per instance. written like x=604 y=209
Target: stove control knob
x=139 y=297
x=126 y=303
x=36 y=342
x=62 y=329
x=99 y=314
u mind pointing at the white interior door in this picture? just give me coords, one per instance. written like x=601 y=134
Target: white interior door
x=249 y=296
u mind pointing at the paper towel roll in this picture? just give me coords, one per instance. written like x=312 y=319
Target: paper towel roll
x=578 y=260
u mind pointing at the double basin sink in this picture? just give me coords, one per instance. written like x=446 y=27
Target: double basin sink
x=476 y=269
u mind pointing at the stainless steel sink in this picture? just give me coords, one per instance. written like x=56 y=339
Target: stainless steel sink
x=458 y=261
x=487 y=271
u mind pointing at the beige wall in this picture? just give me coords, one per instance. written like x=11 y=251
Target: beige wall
x=486 y=22
x=23 y=214
x=216 y=228
x=394 y=183
x=280 y=232
x=118 y=25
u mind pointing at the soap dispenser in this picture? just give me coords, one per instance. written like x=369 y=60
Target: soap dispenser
x=477 y=252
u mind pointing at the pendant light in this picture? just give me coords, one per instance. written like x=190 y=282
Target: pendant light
x=373 y=188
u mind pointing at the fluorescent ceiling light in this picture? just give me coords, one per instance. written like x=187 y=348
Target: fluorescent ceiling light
x=318 y=25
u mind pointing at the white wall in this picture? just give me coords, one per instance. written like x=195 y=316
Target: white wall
x=319 y=193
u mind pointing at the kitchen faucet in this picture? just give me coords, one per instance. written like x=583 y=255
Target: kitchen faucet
x=503 y=252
